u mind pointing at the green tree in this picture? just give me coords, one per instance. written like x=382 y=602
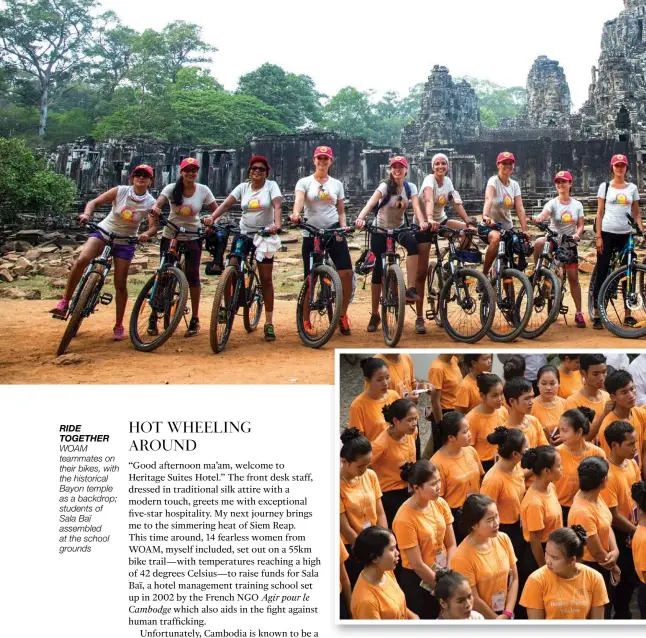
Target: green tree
x=349 y=113
x=183 y=46
x=497 y=102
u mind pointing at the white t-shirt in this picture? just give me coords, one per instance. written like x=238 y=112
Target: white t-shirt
x=564 y=217
x=127 y=213
x=503 y=201
x=188 y=214
x=618 y=204
x=440 y=195
x=257 y=208
x=320 y=201
x=392 y=214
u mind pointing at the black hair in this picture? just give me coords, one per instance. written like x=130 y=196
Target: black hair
x=446 y=582
x=579 y=418
x=370 y=365
x=474 y=510
x=370 y=544
x=177 y=196
x=486 y=381
x=592 y=471
x=418 y=473
x=617 y=380
x=616 y=432
x=638 y=492
x=354 y=445
x=571 y=357
x=514 y=367
x=571 y=540
x=397 y=410
x=508 y=440
x=548 y=368
x=448 y=426
x=516 y=387
x=587 y=360
x=539 y=458
x=470 y=359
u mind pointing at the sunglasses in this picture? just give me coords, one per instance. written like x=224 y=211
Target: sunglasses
x=258 y=169
x=191 y=170
x=400 y=202
x=322 y=157
x=142 y=174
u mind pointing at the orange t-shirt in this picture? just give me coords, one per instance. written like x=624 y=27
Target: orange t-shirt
x=637 y=419
x=532 y=430
x=487 y=570
x=388 y=456
x=371 y=602
x=481 y=425
x=468 y=395
x=540 y=512
x=617 y=491
x=365 y=414
x=413 y=528
x=569 y=383
x=565 y=598
x=460 y=475
x=402 y=374
x=576 y=400
x=595 y=518
x=568 y=485
x=507 y=490
x=359 y=501
x=639 y=552
x=548 y=417
x=446 y=377
x=344 y=556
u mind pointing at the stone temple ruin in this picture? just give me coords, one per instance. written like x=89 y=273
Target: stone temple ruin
x=545 y=138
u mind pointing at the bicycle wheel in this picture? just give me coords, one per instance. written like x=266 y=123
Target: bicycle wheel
x=93 y=281
x=393 y=305
x=591 y=304
x=323 y=307
x=546 y=303
x=616 y=296
x=254 y=303
x=155 y=316
x=224 y=311
x=434 y=284
x=468 y=318
x=513 y=308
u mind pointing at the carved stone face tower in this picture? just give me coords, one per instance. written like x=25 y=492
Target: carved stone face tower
x=548 y=94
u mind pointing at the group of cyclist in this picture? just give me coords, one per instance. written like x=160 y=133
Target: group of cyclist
x=520 y=506
x=321 y=197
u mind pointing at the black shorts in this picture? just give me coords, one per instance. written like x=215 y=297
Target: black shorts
x=378 y=247
x=247 y=247
x=337 y=248
x=483 y=232
x=426 y=236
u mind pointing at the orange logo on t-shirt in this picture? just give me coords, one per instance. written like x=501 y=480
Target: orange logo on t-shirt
x=508 y=201
x=127 y=215
x=253 y=203
x=566 y=217
x=441 y=200
x=185 y=210
x=322 y=195
x=622 y=199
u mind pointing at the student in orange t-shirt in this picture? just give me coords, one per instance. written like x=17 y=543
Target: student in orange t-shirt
x=455 y=596
x=468 y=394
x=486 y=417
x=638 y=492
x=394 y=447
x=590 y=510
x=570 y=375
x=486 y=557
x=623 y=473
x=360 y=494
x=377 y=596
x=548 y=405
x=345 y=589
x=365 y=412
x=445 y=376
x=505 y=483
x=564 y=589
x=424 y=531
x=458 y=464
x=573 y=429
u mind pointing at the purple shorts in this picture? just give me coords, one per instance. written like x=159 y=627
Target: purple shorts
x=120 y=251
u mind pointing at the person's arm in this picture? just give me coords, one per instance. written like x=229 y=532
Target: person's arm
x=512 y=593
x=596 y=613
x=346 y=531
x=537 y=548
x=223 y=207
x=621 y=522
x=277 y=203
x=543 y=216
x=299 y=202
x=580 y=223
x=598 y=420
x=634 y=209
x=597 y=551
x=151 y=231
x=601 y=207
x=414 y=556
x=481 y=606
x=411 y=615
x=535 y=614
x=435 y=403
x=613 y=554
x=520 y=211
x=346 y=589
x=360 y=221
x=490 y=193
x=423 y=224
x=381 y=515
x=104 y=198
x=450 y=543
x=340 y=207
x=161 y=200
x=459 y=209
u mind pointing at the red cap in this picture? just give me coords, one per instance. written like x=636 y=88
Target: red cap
x=566 y=175
x=619 y=159
x=398 y=159
x=144 y=167
x=189 y=161
x=261 y=159
x=505 y=156
x=323 y=150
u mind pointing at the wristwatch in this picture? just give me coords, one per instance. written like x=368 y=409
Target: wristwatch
x=509 y=614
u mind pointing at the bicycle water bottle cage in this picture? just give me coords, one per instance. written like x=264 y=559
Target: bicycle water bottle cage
x=105 y=298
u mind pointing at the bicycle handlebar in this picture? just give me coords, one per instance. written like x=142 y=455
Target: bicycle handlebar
x=110 y=235
x=633 y=225
x=344 y=232
x=199 y=234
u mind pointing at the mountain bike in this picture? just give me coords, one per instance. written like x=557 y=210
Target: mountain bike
x=460 y=298
x=318 y=308
x=161 y=303
x=87 y=295
x=238 y=287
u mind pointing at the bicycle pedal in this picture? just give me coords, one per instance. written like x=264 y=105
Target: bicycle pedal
x=564 y=310
x=105 y=298
x=61 y=317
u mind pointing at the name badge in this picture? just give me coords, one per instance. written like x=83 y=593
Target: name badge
x=498 y=602
x=635 y=515
x=441 y=558
x=496 y=457
x=366 y=525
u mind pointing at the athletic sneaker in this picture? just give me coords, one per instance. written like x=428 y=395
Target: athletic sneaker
x=373 y=324
x=152 y=331
x=270 y=335
x=60 y=308
x=411 y=295
x=596 y=323
x=420 y=328
x=118 y=333
x=193 y=327
x=344 y=326
x=579 y=320
x=630 y=322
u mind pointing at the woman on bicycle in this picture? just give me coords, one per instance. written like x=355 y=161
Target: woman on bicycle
x=322 y=197
x=502 y=196
x=130 y=204
x=186 y=198
x=260 y=200
x=391 y=200
x=616 y=199
x=437 y=192
x=566 y=218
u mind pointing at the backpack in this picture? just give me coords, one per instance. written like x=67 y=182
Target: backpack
x=387 y=197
